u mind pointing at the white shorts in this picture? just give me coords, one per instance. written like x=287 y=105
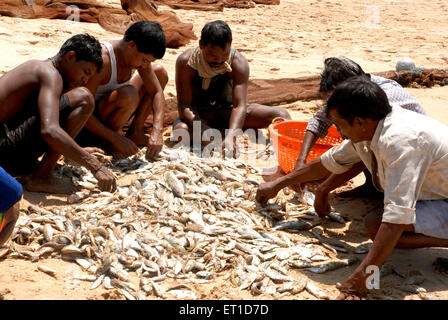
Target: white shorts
x=432 y=218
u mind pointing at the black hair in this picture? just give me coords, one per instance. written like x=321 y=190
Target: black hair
x=359 y=97
x=217 y=33
x=86 y=47
x=337 y=70
x=148 y=37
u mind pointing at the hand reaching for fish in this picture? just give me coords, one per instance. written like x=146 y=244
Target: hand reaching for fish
x=266 y=191
x=321 y=205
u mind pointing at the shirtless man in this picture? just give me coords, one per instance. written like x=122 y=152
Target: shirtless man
x=43 y=105
x=119 y=96
x=211 y=85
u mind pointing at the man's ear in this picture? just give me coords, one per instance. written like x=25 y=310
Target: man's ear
x=70 y=56
x=131 y=44
x=360 y=122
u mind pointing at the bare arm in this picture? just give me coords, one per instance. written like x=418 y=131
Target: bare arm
x=310 y=172
x=184 y=89
x=321 y=205
x=51 y=131
x=385 y=241
x=155 y=90
x=240 y=71
x=308 y=142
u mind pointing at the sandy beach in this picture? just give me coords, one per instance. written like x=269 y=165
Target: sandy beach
x=280 y=41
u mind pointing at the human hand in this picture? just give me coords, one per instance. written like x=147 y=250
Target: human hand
x=124 y=147
x=92 y=150
x=353 y=288
x=155 y=144
x=106 y=179
x=321 y=205
x=229 y=147
x=266 y=191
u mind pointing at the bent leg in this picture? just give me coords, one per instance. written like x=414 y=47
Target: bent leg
x=136 y=131
x=409 y=239
x=367 y=190
x=116 y=108
x=72 y=118
x=182 y=133
x=260 y=116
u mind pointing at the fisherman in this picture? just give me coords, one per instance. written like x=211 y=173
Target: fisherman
x=10 y=195
x=211 y=85
x=43 y=106
x=336 y=70
x=407 y=156
x=119 y=95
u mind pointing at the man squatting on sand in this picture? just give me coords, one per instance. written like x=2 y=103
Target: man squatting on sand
x=407 y=156
x=119 y=96
x=43 y=106
x=211 y=85
x=337 y=70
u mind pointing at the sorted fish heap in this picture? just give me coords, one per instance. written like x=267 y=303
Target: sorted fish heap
x=183 y=217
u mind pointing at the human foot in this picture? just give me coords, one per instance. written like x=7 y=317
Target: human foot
x=50 y=184
x=140 y=139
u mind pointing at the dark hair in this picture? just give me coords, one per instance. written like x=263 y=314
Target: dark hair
x=359 y=97
x=217 y=33
x=337 y=70
x=86 y=47
x=148 y=37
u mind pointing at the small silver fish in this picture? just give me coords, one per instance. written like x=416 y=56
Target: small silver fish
x=175 y=184
x=296 y=225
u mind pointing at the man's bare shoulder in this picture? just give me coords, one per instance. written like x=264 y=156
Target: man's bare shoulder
x=36 y=70
x=240 y=65
x=182 y=59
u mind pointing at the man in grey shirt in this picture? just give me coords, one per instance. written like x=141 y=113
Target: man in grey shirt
x=337 y=70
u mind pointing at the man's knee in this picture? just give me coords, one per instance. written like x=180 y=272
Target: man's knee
x=128 y=96
x=83 y=98
x=181 y=132
x=161 y=74
x=282 y=113
x=372 y=223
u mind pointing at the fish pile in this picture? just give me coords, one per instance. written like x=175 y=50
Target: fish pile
x=181 y=217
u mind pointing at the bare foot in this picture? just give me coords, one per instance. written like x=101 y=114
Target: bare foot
x=367 y=190
x=51 y=184
x=141 y=140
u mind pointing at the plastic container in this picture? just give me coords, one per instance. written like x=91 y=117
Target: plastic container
x=287 y=137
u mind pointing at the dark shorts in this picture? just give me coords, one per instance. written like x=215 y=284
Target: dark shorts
x=10 y=190
x=21 y=143
x=218 y=119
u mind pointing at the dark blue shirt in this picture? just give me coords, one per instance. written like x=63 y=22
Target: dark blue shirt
x=10 y=190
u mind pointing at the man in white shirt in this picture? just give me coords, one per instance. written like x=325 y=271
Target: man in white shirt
x=407 y=155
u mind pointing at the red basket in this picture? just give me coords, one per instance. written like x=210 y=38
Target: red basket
x=287 y=137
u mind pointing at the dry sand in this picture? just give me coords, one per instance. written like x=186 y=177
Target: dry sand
x=289 y=40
